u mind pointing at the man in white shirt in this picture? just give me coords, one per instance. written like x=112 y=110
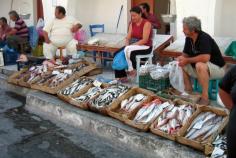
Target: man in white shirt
x=59 y=33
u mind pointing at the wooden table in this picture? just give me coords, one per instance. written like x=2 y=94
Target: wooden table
x=160 y=42
x=176 y=48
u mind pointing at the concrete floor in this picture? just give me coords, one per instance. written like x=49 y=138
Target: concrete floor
x=25 y=135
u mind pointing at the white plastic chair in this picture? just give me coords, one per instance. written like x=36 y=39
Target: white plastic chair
x=149 y=56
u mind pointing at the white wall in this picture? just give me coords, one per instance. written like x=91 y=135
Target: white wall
x=101 y=12
x=21 y=6
x=203 y=9
x=225 y=21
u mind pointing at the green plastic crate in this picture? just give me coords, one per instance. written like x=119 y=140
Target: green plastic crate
x=147 y=82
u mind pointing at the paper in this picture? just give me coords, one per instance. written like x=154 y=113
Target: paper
x=55 y=72
x=97 y=83
x=68 y=71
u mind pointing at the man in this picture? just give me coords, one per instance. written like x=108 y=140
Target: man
x=201 y=57
x=19 y=35
x=59 y=33
x=4 y=29
x=150 y=17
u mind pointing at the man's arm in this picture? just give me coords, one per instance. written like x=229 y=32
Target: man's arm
x=188 y=60
x=46 y=38
x=12 y=32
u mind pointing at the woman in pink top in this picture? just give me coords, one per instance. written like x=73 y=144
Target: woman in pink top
x=138 y=42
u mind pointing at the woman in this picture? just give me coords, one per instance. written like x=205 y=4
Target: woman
x=138 y=42
x=228 y=96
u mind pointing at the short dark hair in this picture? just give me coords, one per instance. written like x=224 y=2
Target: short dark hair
x=145 y=6
x=136 y=9
x=3 y=19
x=61 y=10
x=15 y=14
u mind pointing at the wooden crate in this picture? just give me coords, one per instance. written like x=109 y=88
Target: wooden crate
x=13 y=78
x=172 y=137
x=142 y=127
x=115 y=111
x=199 y=145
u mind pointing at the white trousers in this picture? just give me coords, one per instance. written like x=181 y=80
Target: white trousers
x=129 y=49
x=49 y=50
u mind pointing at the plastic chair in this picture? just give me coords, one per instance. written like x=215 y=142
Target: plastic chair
x=94 y=29
x=213 y=88
x=148 y=56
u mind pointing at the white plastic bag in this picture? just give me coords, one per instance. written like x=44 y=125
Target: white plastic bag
x=40 y=23
x=176 y=76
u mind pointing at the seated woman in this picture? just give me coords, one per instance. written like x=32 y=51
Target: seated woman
x=4 y=29
x=140 y=30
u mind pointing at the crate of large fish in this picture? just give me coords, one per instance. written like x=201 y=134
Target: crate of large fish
x=170 y=122
x=78 y=85
x=147 y=82
x=59 y=79
x=101 y=102
x=15 y=77
x=129 y=103
x=203 y=127
x=147 y=113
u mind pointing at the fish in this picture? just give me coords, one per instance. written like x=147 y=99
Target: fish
x=90 y=94
x=76 y=86
x=131 y=103
x=106 y=97
x=209 y=124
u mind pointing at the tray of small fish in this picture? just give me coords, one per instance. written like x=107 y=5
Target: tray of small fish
x=34 y=74
x=103 y=100
x=169 y=123
x=203 y=127
x=147 y=113
x=82 y=98
x=129 y=103
x=75 y=87
x=59 y=79
x=15 y=77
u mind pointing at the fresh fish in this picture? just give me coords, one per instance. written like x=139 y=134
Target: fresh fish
x=90 y=94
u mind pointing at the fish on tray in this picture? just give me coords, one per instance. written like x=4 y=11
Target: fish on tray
x=133 y=102
x=76 y=86
x=150 y=111
x=203 y=126
x=88 y=95
x=107 y=96
x=173 y=118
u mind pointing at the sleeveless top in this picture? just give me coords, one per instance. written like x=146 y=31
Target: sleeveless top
x=137 y=32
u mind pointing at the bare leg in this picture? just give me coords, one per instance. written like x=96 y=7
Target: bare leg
x=187 y=82
x=203 y=78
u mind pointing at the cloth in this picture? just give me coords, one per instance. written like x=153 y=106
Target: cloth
x=21 y=27
x=60 y=34
x=204 y=44
x=49 y=50
x=15 y=42
x=154 y=21
x=3 y=31
x=133 y=54
x=216 y=72
x=228 y=84
x=137 y=32
x=128 y=50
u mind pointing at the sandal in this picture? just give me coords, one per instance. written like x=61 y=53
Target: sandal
x=203 y=102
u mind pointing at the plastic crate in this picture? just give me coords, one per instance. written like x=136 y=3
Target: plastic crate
x=10 y=57
x=147 y=82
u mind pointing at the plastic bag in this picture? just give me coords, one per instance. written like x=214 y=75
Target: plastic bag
x=176 y=76
x=119 y=61
x=231 y=50
x=40 y=23
x=80 y=36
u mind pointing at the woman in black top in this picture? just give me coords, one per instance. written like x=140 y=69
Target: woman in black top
x=228 y=96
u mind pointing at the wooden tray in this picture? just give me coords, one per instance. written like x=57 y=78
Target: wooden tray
x=199 y=145
x=115 y=111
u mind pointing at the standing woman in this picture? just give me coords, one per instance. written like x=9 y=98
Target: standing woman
x=228 y=96
x=138 y=42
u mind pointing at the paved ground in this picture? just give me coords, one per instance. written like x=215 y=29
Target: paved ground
x=24 y=135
